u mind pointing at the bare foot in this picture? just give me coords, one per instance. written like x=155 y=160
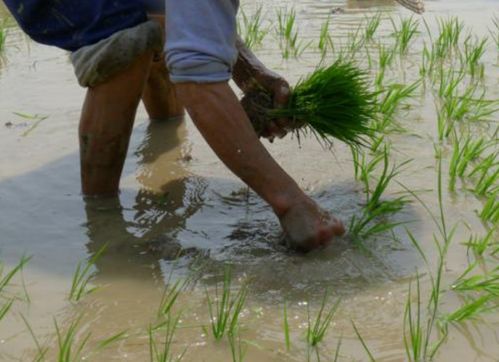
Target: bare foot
x=306 y=226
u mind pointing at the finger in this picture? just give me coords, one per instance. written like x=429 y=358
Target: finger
x=282 y=94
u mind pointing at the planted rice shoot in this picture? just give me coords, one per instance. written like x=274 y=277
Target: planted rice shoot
x=170 y=296
x=474 y=49
x=470 y=310
x=317 y=329
x=495 y=31
x=465 y=151
x=3 y=35
x=162 y=351
x=237 y=347
x=405 y=33
x=251 y=29
x=287 y=337
x=480 y=283
x=371 y=221
x=486 y=174
x=69 y=347
x=392 y=100
x=490 y=211
x=332 y=103
x=385 y=59
x=82 y=277
x=288 y=34
x=363 y=342
x=6 y=299
x=325 y=40
x=372 y=25
x=480 y=244
x=225 y=308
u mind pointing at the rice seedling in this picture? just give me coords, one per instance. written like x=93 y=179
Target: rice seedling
x=372 y=25
x=317 y=329
x=251 y=29
x=470 y=310
x=487 y=182
x=464 y=152
x=495 y=32
x=237 y=348
x=3 y=35
x=364 y=225
x=474 y=49
x=421 y=321
x=364 y=344
x=490 y=211
x=69 y=348
x=450 y=31
x=488 y=283
x=333 y=102
x=392 y=100
x=405 y=34
x=385 y=59
x=170 y=296
x=224 y=308
x=325 y=40
x=480 y=244
x=287 y=337
x=289 y=34
x=163 y=351
x=82 y=276
x=6 y=299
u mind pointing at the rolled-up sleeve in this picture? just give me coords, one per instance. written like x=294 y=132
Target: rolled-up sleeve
x=201 y=40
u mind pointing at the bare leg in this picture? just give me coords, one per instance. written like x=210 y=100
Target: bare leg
x=159 y=97
x=106 y=125
x=222 y=121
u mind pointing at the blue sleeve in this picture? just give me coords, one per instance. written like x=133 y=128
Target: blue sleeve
x=72 y=24
x=201 y=40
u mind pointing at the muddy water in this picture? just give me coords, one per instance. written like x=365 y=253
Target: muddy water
x=178 y=199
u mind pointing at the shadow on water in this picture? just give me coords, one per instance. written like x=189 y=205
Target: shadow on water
x=189 y=220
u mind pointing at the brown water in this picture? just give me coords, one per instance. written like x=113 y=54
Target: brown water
x=176 y=196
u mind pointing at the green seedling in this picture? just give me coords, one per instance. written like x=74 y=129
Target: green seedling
x=376 y=208
x=450 y=31
x=325 y=40
x=420 y=322
x=287 y=336
x=331 y=103
x=405 y=34
x=495 y=32
x=82 y=277
x=170 y=296
x=488 y=283
x=474 y=49
x=470 y=310
x=163 y=351
x=3 y=36
x=6 y=299
x=392 y=100
x=372 y=25
x=465 y=151
x=385 y=59
x=224 y=308
x=364 y=344
x=480 y=244
x=69 y=348
x=487 y=175
x=237 y=348
x=251 y=29
x=490 y=211
x=288 y=34
x=318 y=328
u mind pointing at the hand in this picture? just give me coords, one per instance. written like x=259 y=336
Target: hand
x=280 y=90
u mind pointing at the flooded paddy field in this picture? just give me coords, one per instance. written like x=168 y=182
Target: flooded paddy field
x=417 y=283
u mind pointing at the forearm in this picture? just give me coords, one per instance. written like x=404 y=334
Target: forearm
x=223 y=123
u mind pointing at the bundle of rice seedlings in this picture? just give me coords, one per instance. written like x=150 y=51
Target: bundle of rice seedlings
x=333 y=102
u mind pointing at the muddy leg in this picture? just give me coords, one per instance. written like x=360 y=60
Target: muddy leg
x=106 y=125
x=159 y=97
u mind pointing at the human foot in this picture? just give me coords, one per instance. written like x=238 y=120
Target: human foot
x=306 y=226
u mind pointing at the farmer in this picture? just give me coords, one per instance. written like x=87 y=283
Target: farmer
x=115 y=46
